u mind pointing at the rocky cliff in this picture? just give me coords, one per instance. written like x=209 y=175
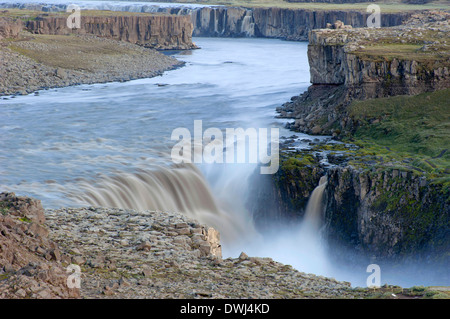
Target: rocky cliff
x=389 y=213
x=30 y=262
x=10 y=28
x=137 y=254
x=365 y=60
x=289 y=24
x=234 y=21
x=350 y=63
x=153 y=31
x=373 y=209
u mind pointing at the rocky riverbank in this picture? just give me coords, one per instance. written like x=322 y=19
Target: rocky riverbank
x=46 y=59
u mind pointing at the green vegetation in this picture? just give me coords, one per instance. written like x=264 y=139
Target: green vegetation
x=298 y=161
x=25 y=219
x=395 y=292
x=412 y=130
x=385 y=50
x=4 y=208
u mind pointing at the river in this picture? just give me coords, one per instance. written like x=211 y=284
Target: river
x=75 y=146
x=110 y=145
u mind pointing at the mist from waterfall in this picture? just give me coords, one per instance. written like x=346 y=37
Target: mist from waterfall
x=299 y=244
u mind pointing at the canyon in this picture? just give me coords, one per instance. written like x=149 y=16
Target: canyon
x=377 y=203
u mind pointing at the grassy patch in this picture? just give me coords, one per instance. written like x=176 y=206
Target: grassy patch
x=431 y=59
x=25 y=219
x=69 y=51
x=413 y=130
x=32 y=14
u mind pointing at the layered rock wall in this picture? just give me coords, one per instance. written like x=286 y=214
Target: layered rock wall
x=335 y=60
x=10 y=28
x=289 y=24
x=223 y=21
x=397 y=214
x=365 y=63
x=153 y=31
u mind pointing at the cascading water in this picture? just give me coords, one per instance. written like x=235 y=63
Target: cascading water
x=299 y=244
x=181 y=188
x=117 y=140
x=313 y=212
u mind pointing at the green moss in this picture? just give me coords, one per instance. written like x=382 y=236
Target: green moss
x=408 y=131
x=293 y=163
x=25 y=219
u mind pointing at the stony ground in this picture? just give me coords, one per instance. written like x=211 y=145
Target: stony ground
x=131 y=254
x=35 y=62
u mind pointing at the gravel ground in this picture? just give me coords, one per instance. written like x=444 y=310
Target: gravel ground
x=39 y=62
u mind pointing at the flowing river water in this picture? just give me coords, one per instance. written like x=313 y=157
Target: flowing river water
x=110 y=144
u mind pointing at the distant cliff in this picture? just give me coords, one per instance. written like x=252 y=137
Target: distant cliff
x=224 y=21
x=289 y=24
x=153 y=31
x=9 y=28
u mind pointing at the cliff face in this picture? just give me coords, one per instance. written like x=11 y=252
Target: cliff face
x=397 y=213
x=31 y=261
x=10 y=28
x=153 y=31
x=336 y=57
x=289 y=24
x=390 y=205
x=388 y=213
x=223 y=21
x=366 y=63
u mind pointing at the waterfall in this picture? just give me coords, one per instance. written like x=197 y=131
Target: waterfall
x=248 y=26
x=181 y=188
x=300 y=244
x=313 y=212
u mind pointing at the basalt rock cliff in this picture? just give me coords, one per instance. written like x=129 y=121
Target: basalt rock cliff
x=373 y=205
x=232 y=21
x=9 y=28
x=289 y=24
x=366 y=63
x=153 y=31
